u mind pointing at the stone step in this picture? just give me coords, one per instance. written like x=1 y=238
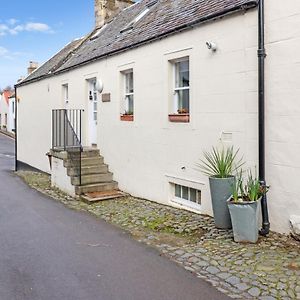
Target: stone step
x=90 y=153
x=93 y=178
x=97 y=187
x=91 y=198
x=88 y=170
x=86 y=161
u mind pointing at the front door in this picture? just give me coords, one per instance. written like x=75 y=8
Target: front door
x=92 y=112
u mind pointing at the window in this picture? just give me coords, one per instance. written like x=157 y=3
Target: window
x=182 y=86
x=128 y=96
x=180 y=107
x=65 y=88
x=13 y=106
x=187 y=194
x=5 y=120
x=129 y=26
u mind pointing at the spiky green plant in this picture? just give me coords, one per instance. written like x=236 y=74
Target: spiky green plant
x=254 y=189
x=220 y=163
x=238 y=187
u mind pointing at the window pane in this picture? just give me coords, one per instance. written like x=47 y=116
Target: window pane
x=129 y=83
x=199 y=197
x=184 y=100
x=182 y=74
x=193 y=195
x=95 y=116
x=177 y=190
x=129 y=104
x=185 y=192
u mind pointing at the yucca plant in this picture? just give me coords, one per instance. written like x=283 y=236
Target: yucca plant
x=220 y=163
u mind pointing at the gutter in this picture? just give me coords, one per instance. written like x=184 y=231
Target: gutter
x=261 y=53
x=212 y=17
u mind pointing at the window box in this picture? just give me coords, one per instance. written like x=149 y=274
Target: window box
x=128 y=118
x=179 y=118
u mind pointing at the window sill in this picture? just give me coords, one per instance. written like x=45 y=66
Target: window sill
x=179 y=118
x=128 y=118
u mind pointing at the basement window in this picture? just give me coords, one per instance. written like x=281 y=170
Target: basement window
x=187 y=196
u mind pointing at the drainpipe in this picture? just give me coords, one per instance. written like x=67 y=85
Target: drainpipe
x=261 y=114
x=16 y=130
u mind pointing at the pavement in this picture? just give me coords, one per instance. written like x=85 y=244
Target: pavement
x=48 y=251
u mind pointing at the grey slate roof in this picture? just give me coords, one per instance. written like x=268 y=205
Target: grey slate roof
x=164 y=18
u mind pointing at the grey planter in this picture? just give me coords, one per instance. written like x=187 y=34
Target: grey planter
x=221 y=190
x=245 y=218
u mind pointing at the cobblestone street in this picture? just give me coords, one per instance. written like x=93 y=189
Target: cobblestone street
x=267 y=270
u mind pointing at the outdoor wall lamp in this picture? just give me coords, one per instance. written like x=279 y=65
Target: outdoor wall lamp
x=211 y=46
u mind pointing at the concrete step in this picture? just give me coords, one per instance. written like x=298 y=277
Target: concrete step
x=90 y=153
x=91 y=198
x=88 y=170
x=85 y=161
x=97 y=187
x=93 y=178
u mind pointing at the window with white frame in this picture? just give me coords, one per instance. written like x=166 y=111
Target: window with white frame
x=181 y=85
x=65 y=91
x=128 y=92
x=187 y=194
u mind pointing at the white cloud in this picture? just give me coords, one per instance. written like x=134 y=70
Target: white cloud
x=37 y=27
x=12 y=21
x=3 y=51
x=11 y=28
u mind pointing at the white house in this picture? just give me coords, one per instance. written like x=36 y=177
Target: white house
x=6 y=118
x=178 y=77
x=11 y=114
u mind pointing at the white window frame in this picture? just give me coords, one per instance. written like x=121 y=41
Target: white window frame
x=177 y=89
x=187 y=202
x=65 y=91
x=126 y=93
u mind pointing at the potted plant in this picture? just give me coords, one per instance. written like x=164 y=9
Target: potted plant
x=244 y=207
x=221 y=165
x=182 y=116
x=127 y=116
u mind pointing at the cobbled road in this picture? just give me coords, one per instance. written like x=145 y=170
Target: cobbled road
x=50 y=252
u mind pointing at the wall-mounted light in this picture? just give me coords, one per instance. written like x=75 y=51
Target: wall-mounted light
x=211 y=46
x=99 y=86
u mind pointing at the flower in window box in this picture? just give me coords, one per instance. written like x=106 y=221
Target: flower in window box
x=182 y=111
x=127 y=116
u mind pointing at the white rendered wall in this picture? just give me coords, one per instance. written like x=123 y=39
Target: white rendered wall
x=11 y=115
x=144 y=154
x=60 y=178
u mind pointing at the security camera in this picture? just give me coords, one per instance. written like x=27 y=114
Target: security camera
x=211 y=46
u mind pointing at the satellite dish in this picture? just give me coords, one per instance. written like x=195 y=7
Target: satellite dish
x=99 y=86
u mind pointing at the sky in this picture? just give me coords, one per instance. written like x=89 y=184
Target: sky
x=35 y=30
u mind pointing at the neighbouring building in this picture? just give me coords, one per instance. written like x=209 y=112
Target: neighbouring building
x=5 y=116
x=161 y=81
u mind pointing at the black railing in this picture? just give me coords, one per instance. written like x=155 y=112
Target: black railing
x=67 y=135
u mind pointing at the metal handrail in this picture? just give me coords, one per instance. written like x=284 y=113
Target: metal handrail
x=66 y=135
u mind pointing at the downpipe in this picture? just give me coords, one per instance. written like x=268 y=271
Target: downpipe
x=261 y=53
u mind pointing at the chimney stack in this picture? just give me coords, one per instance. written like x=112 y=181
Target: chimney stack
x=32 y=66
x=105 y=10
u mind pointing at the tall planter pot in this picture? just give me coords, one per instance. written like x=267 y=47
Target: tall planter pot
x=245 y=220
x=221 y=190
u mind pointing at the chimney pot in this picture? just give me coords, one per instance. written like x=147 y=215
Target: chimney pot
x=32 y=66
x=105 y=10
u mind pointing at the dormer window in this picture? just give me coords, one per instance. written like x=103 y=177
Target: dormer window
x=139 y=17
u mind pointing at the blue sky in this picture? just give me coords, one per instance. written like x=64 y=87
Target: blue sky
x=35 y=30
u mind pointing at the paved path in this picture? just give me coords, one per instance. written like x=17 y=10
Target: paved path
x=50 y=252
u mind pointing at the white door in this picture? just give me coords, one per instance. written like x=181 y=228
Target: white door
x=92 y=112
